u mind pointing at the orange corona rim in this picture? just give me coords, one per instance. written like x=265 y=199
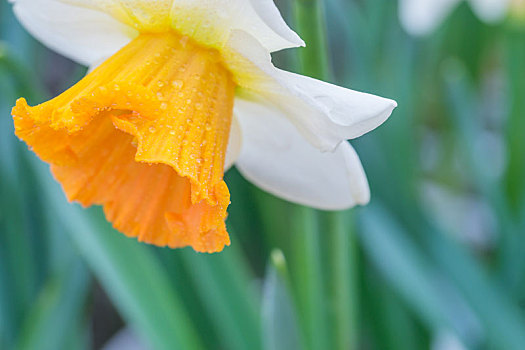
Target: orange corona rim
x=145 y=135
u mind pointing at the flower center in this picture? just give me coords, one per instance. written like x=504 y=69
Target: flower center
x=164 y=103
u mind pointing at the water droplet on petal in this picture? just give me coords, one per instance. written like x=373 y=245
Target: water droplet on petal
x=177 y=84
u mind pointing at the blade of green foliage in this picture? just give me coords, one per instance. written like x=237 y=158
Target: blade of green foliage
x=20 y=264
x=393 y=325
x=280 y=329
x=129 y=272
x=502 y=318
x=464 y=107
x=502 y=323
x=60 y=302
x=412 y=276
x=223 y=285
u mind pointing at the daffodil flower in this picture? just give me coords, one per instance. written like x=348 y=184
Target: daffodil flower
x=421 y=17
x=179 y=91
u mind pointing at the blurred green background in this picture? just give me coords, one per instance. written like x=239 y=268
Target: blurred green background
x=436 y=261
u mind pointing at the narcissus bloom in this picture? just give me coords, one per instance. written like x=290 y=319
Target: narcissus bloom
x=181 y=90
x=421 y=17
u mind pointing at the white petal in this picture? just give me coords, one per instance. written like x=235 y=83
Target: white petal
x=269 y=13
x=421 y=17
x=320 y=108
x=278 y=159
x=234 y=145
x=77 y=32
x=325 y=114
x=212 y=22
x=490 y=10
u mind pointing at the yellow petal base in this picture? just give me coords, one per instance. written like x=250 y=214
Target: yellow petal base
x=144 y=135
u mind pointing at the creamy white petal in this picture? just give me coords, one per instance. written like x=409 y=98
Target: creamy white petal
x=234 y=145
x=77 y=32
x=278 y=159
x=421 y=17
x=270 y=14
x=212 y=22
x=88 y=30
x=490 y=10
x=343 y=113
x=325 y=114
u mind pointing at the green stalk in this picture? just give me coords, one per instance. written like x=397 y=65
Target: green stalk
x=307 y=277
x=512 y=242
x=309 y=16
x=515 y=174
x=340 y=293
x=340 y=243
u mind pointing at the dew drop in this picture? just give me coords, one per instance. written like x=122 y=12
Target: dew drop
x=163 y=106
x=160 y=83
x=199 y=106
x=172 y=132
x=177 y=84
x=152 y=129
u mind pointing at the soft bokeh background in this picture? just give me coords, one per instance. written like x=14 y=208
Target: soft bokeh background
x=436 y=261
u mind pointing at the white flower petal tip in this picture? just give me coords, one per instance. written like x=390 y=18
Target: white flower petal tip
x=328 y=114
x=490 y=11
x=278 y=159
x=422 y=17
x=270 y=14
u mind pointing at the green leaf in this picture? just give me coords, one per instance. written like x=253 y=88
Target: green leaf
x=61 y=301
x=280 y=329
x=223 y=285
x=417 y=281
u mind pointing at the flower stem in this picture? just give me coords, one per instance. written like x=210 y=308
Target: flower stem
x=341 y=283
x=307 y=276
x=336 y=246
x=309 y=16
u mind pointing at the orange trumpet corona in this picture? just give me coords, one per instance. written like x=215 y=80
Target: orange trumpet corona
x=145 y=135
